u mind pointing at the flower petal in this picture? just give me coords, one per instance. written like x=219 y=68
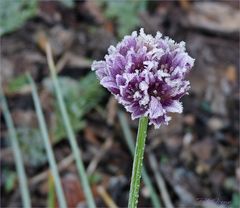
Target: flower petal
x=155 y=108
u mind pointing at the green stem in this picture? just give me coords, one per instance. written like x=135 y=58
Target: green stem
x=16 y=152
x=51 y=192
x=137 y=162
x=70 y=132
x=129 y=140
x=48 y=147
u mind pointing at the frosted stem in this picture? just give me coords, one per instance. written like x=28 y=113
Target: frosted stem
x=137 y=163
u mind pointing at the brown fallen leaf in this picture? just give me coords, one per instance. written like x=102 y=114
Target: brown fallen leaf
x=203 y=149
x=185 y=4
x=225 y=19
x=108 y=25
x=231 y=74
x=90 y=135
x=73 y=191
x=41 y=40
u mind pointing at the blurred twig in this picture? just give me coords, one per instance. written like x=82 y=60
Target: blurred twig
x=69 y=129
x=130 y=143
x=111 y=114
x=93 y=164
x=106 y=197
x=43 y=175
x=160 y=181
x=52 y=161
x=16 y=152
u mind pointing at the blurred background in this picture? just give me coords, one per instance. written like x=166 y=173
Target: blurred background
x=196 y=155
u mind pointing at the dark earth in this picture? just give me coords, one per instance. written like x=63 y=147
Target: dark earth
x=197 y=154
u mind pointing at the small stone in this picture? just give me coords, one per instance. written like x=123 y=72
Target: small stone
x=238 y=174
x=202 y=168
x=189 y=119
x=203 y=149
x=215 y=124
x=187 y=139
x=145 y=192
x=231 y=184
x=217 y=178
x=173 y=143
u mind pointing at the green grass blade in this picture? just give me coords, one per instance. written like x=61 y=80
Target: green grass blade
x=16 y=152
x=70 y=132
x=130 y=143
x=43 y=128
x=51 y=192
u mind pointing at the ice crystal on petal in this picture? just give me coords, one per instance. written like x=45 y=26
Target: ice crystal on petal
x=147 y=75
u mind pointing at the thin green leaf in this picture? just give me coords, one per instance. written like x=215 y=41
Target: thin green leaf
x=71 y=89
x=70 y=132
x=52 y=161
x=51 y=192
x=16 y=152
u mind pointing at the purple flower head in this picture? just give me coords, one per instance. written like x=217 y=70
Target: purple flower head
x=147 y=75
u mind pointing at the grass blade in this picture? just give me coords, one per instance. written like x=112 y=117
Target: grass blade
x=51 y=192
x=16 y=152
x=70 y=132
x=129 y=140
x=52 y=161
x=160 y=181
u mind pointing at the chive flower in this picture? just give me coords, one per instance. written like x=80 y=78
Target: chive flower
x=147 y=74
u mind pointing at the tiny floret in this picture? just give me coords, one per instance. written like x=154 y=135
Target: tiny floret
x=147 y=74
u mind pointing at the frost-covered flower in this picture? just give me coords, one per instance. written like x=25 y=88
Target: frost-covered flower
x=147 y=75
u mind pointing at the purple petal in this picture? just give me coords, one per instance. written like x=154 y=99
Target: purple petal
x=155 y=108
x=147 y=75
x=100 y=68
x=110 y=84
x=174 y=107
